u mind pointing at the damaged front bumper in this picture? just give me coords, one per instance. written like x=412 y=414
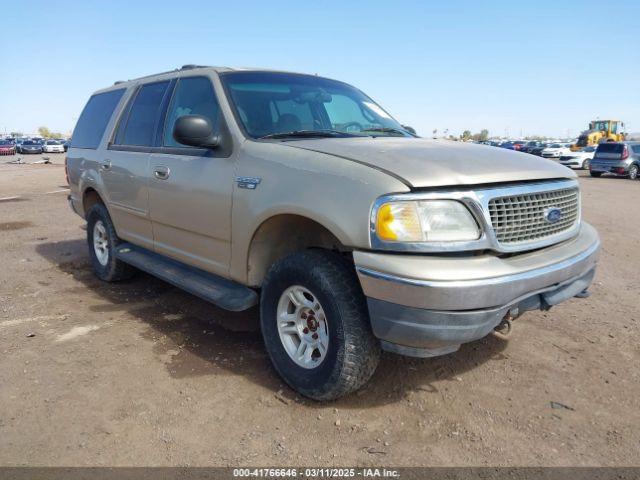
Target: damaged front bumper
x=428 y=305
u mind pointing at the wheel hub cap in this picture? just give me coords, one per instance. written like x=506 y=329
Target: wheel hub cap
x=101 y=243
x=302 y=326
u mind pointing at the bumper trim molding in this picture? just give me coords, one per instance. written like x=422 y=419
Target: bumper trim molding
x=491 y=281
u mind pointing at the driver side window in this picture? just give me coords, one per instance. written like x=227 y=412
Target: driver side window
x=192 y=96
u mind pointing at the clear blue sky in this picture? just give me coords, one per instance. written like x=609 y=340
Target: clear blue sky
x=536 y=67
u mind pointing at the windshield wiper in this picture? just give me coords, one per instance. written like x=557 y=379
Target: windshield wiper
x=387 y=130
x=308 y=133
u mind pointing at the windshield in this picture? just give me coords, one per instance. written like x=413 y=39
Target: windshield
x=601 y=125
x=5 y=142
x=271 y=103
x=555 y=145
x=30 y=142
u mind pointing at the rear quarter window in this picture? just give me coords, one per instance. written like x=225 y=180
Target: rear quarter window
x=94 y=119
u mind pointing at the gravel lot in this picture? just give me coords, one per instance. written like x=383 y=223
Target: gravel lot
x=141 y=373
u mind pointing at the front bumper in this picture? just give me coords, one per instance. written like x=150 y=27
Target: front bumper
x=572 y=165
x=429 y=305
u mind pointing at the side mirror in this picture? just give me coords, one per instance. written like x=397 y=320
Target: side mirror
x=409 y=129
x=195 y=131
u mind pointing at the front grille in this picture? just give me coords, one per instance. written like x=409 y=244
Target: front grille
x=521 y=218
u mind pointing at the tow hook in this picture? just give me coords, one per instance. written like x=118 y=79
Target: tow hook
x=503 y=329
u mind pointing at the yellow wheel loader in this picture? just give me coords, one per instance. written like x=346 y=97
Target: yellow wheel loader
x=600 y=131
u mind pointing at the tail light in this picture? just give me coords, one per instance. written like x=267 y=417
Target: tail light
x=66 y=169
x=625 y=153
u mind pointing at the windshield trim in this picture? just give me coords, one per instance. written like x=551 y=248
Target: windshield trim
x=236 y=115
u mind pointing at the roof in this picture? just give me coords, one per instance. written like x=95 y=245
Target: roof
x=184 y=68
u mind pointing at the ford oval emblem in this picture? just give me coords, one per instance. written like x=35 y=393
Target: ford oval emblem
x=552 y=215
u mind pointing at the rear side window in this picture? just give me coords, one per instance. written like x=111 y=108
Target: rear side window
x=610 y=148
x=94 y=119
x=636 y=149
x=139 y=127
x=193 y=96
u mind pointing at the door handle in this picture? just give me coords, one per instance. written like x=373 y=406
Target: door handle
x=161 y=172
x=106 y=165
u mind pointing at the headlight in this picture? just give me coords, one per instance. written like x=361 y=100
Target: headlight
x=425 y=221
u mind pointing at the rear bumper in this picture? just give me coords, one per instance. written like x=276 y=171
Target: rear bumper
x=442 y=302
x=609 y=167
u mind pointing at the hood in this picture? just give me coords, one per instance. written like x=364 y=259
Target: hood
x=437 y=163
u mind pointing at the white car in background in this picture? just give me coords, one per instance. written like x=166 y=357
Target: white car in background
x=52 y=146
x=556 y=150
x=581 y=159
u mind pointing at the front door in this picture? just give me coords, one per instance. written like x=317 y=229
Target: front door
x=190 y=189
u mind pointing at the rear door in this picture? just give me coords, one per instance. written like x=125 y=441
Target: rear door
x=125 y=169
x=190 y=189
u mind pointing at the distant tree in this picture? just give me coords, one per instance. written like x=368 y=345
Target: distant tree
x=482 y=136
x=44 y=132
x=55 y=135
x=435 y=132
x=16 y=134
x=466 y=135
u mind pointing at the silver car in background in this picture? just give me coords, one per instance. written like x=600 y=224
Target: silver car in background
x=617 y=158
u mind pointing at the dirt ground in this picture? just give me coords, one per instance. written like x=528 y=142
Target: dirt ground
x=141 y=373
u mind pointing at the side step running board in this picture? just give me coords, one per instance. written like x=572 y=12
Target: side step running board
x=224 y=293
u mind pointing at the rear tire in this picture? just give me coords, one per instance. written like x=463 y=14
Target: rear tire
x=633 y=172
x=595 y=174
x=102 y=241
x=586 y=163
x=329 y=285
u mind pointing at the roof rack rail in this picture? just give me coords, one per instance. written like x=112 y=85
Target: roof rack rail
x=118 y=82
x=191 y=66
x=184 y=67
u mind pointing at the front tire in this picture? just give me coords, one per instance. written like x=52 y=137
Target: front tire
x=586 y=163
x=102 y=240
x=315 y=325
